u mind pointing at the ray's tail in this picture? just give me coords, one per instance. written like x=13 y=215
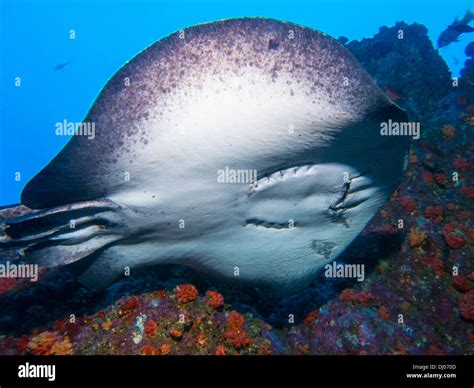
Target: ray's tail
x=60 y=235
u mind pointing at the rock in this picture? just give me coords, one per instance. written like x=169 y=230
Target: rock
x=411 y=65
x=469 y=50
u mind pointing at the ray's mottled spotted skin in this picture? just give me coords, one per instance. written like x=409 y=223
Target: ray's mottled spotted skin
x=309 y=61
x=172 y=72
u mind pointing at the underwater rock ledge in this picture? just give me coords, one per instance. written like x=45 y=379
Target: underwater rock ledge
x=407 y=67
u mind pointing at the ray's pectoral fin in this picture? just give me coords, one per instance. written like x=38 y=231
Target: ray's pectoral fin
x=63 y=235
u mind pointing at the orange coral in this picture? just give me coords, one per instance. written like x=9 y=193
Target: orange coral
x=405 y=306
x=235 y=332
x=129 y=304
x=428 y=178
x=461 y=283
x=62 y=348
x=165 y=349
x=461 y=164
x=107 y=325
x=435 y=213
x=350 y=295
x=216 y=300
x=23 y=343
x=43 y=343
x=65 y=326
x=440 y=179
x=416 y=238
x=384 y=313
x=471 y=233
x=365 y=297
x=151 y=328
x=453 y=237
x=407 y=203
x=466 y=307
x=175 y=333
x=452 y=206
x=265 y=349
x=312 y=316
x=160 y=294
x=186 y=293
x=436 y=264
x=468 y=192
x=448 y=131
x=149 y=350
x=235 y=321
x=220 y=350
x=200 y=342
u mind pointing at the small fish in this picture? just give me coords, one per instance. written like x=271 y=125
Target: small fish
x=62 y=65
x=456 y=29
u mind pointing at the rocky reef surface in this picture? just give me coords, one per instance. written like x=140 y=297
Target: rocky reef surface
x=418 y=295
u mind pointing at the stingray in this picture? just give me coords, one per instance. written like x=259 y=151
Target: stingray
x=285 y=111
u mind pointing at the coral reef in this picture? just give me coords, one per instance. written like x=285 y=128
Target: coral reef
x=186 y=293
x=155 y=323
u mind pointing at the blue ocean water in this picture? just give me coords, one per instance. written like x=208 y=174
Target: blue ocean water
x=35 y=37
